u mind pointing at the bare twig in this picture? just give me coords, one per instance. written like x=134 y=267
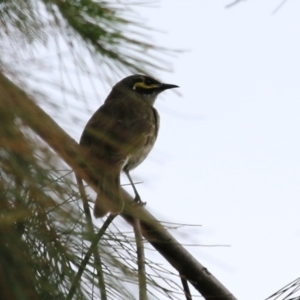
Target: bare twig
x=96 y=253
x=278 y=7
x=239 y=1
x=186 y=288
x=233 y=3
x=140 y=259
x=287 y=291
x=91 y=250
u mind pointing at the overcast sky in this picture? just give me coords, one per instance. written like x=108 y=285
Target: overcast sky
x=227 y=156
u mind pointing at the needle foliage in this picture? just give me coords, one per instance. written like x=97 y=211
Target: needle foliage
x=44 y=232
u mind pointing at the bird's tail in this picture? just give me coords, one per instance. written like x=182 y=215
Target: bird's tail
x=109 y=197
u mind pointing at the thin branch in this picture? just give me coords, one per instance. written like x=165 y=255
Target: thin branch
x=233 y=3
x=279 y=6
x=96 y=253
x=288 y=290
x=186 y=288
x=140 y=259
x=86 y=259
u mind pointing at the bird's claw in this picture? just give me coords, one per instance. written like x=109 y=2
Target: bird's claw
x=137 y=201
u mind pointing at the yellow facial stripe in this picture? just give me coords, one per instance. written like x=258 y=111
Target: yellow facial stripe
x=143 y=85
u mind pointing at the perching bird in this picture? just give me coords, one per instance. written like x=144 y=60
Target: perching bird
x=120 y=134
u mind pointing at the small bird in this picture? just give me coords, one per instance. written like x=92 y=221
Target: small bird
x=121 y=134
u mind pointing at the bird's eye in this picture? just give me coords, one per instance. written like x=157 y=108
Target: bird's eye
x=148 y=81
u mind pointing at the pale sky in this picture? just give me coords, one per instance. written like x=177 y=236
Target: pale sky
x=227 y=156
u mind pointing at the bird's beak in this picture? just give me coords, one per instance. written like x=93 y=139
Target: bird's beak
x=166 y=86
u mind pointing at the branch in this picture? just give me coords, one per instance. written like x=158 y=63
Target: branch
x=15 y=100
x=140 y=259
x=87 y=257
x=233 y=3
x=279 y=6
x=186 y=288
x=96 y=253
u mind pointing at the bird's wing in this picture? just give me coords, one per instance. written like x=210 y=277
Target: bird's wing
x=119 y=127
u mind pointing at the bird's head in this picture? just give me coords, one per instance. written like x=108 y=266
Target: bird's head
x=143 y=87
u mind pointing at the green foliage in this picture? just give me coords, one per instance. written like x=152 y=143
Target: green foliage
x=107 y=29
x=44 y=235
x=19 y=20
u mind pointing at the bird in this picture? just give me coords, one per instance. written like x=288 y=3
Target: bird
x=120 y=135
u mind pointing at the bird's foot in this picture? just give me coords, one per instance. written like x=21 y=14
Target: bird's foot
x=137 y=201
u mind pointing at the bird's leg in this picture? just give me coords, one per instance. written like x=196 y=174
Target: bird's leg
x=137 y=198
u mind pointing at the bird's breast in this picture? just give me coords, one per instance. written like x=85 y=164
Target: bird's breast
x=136 y=158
